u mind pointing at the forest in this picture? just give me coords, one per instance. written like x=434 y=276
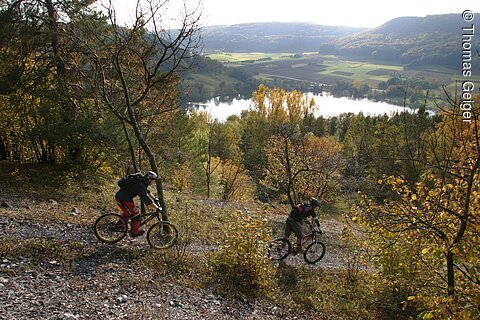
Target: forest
x=96 y=100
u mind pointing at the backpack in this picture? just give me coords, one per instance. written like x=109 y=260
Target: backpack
x=129 y=180
x=299 y=208
x=303 y=208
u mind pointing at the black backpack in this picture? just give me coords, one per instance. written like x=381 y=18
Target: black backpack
x=129 y=180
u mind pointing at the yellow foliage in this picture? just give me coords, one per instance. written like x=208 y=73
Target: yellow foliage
x=281 y=107
x=241 y=265
x=421 y=224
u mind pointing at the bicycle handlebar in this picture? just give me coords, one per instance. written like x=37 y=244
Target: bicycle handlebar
x=314 y=227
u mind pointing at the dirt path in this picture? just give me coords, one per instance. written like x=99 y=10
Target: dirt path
x=93 y=287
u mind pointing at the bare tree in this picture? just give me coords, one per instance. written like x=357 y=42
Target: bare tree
x=134 y=68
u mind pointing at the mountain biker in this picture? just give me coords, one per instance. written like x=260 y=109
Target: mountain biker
x=137 y=187
x=294 y=219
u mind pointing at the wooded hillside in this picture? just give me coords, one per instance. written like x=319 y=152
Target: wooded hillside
x=84 y=101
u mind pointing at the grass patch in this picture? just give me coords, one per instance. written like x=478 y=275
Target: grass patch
x=40 y=250
x=45 y=181
x=49 y=192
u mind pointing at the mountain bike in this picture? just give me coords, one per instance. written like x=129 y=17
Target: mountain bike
x=111 y=228
x=313 y=249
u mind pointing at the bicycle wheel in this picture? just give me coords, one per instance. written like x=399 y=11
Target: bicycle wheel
x=162 y=235
x=279 y=249
x=314 y=252
x=110 y=228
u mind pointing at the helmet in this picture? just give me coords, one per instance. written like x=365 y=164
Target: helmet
x=150 y=175
x=314 y=202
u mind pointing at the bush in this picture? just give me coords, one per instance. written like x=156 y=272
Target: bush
x=241 y=267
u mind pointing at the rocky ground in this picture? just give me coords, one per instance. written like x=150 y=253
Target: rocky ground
x=94 y=287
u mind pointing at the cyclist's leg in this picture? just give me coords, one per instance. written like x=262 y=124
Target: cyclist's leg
x=126 y=212
x=297 y=229
x=129 y=210
x=288 y=229
x=135 y=222
x=136 y=225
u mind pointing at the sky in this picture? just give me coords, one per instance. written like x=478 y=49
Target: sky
x=354 y=13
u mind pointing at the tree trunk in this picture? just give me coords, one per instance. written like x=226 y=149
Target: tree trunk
x=130 y=146
x=290 y=188
x=450 y=274
x=3 y=150
x=209 y=160
x=151 y=159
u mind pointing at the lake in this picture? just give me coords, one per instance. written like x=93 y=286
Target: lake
x=328 y=106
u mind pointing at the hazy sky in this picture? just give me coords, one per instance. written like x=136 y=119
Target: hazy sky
x=357 y=13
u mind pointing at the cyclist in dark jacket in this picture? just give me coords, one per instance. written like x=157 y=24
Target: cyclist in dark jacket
x=296 y=216
x=125 y=196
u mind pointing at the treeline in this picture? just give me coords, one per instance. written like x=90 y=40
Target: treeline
x=396 y=90
x=217 y=80
x=411 y=51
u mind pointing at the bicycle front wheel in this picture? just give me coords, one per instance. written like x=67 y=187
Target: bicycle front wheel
x=110 y=228
x=314 y=252
x=162 y=235
x=279 y=249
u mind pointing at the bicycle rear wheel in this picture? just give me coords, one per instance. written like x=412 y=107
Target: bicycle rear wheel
x=279 y=249
x=110 y=228
x=162 y=235
x=314 y=252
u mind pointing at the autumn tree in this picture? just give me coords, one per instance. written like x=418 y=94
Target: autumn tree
x=274 y=109
x=47 y=117
x=235 y=178
x=436 y=219
x=301 y=168
x=297 y=163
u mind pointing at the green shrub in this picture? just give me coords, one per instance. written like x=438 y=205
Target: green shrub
x=241 y=267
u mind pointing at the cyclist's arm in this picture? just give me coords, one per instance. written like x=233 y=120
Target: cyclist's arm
x=315 y=218
x=144 y=194
x=154 y=203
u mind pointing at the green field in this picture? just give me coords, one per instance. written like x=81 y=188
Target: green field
x=239 y=58
x=355 y=70
x=312 y=67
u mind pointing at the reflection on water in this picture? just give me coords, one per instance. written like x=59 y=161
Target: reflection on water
x=328 y=106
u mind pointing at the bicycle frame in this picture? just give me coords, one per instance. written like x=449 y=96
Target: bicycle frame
x=150 y=216
x=312 y=236
x=312 y=248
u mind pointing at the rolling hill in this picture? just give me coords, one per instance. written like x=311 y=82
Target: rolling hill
x=271 y=37
x=411 y=41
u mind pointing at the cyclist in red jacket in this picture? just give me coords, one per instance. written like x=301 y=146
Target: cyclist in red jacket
x=296 y=216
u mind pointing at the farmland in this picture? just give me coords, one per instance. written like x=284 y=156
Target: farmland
x=326 y=69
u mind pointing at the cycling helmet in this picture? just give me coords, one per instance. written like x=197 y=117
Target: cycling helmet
x=150 y=175
x=314 y=202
